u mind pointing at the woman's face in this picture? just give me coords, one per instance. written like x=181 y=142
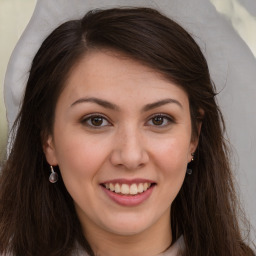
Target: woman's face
x=122 y=141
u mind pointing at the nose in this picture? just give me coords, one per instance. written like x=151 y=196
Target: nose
x=129 y=150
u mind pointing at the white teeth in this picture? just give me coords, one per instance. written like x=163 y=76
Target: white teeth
x=111 y=187
x=133 y=189
x=126 y=189
x=117 y=188
x=145 y=186
x=140 y=188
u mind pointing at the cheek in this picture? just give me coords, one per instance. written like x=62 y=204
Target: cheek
x=79 y=157
x=171 y=160
x=80 y=161
x=172 y=151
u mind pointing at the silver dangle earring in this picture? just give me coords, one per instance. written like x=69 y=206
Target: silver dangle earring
x=53 y=178
x=189 y=170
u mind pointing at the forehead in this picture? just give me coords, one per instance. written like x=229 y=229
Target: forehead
x=111 y=74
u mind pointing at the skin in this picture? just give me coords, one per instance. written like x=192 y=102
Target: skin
x=127 y=144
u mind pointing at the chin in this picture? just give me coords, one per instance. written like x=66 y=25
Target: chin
x=126 y=230
x=127 y=226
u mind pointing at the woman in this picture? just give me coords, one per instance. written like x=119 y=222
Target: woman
x=119 y=114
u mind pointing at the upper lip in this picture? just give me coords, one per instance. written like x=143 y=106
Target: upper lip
x=128 y=181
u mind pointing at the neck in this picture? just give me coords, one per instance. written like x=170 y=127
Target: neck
x=151 y=241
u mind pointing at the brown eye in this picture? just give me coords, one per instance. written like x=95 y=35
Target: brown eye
x=158 y=120
x=95 y=121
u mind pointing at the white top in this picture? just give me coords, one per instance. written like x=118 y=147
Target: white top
x=174 y=250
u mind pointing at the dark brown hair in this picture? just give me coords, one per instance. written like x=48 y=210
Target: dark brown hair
x=38 y=218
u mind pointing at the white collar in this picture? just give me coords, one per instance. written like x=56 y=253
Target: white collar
x=174 y=250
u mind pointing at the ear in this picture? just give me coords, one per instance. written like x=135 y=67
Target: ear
x=49 y=151
x=194 y=141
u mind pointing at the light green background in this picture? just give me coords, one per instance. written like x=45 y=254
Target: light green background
x=14 y=16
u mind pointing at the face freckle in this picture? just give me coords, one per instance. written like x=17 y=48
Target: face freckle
x=122 y=140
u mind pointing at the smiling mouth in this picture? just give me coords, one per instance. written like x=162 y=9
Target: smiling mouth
x=126 y=189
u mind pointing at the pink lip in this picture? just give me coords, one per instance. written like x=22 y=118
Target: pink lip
x=129 y=182
x=128 y=200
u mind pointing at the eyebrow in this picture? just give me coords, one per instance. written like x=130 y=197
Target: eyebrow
x=109 y=105
x=98 y=101
x=160 y=103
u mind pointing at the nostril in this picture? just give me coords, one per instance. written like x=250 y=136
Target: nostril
x=131 y=159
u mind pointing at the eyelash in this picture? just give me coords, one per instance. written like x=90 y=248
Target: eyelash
x=89 y=118
x=168 y=120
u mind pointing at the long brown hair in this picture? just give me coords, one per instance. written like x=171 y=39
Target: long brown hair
x=38 y=218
